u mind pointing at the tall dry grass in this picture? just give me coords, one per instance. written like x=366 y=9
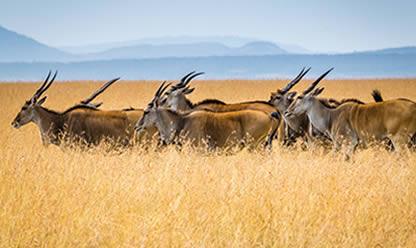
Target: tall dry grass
x=51 y=197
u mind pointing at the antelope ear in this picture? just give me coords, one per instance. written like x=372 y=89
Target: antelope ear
x=291 y=95
x=318 y=91
x=188 y=91
x=96 y=105
x=32 y=101
x=41 y=101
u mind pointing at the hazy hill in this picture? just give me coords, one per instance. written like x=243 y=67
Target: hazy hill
x=186 y=50
x=17 y=47
x=258 y=48
x=160 y=51
x=23 y=58
x=229 y=41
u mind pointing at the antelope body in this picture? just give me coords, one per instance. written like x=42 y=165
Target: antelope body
x=82 y=123
x=215 y=129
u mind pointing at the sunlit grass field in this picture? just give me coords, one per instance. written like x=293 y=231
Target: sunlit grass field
x=53 y=197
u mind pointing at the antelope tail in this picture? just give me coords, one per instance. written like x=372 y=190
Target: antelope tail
x=377 y=95
x=277 y=116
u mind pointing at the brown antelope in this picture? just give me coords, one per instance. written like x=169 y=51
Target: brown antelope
x=351 y=123
x=82 y=122
x=378 y=98
x=176 y=100
x=203 y=127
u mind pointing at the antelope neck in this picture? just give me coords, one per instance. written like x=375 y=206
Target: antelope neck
x=169 y=122
x=320 y=115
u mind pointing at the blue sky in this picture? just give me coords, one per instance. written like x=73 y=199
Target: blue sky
x=326 y=25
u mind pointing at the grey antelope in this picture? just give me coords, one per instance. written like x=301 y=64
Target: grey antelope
x=300 y=125
x=351 y=123
x=82 y=122
x=207 y=128
x=294 y=126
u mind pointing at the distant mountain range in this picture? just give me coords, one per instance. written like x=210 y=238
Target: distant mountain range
x=185 y=50
x=19 y=48
x=16 y=47
x=23 y=58
x=229 y=41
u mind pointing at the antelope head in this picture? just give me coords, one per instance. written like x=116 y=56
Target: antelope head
x=27 y=113
x=302 y=103
x=175 y=97
x=282 y=98
x=149 y=117
x=304 y=100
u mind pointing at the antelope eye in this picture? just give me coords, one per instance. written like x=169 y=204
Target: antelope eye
x=300 y=97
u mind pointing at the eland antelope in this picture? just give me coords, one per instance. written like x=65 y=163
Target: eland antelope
x=81 y=123
x=352 y=123
x=300 y=125
x=204 y=127
x=296 y=126
x=175 y=99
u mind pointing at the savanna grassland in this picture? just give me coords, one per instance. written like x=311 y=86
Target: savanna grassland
x=53 y=197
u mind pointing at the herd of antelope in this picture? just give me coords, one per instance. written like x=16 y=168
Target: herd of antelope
x=213 y=124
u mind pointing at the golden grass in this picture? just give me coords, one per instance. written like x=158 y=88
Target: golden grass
x=51 y=197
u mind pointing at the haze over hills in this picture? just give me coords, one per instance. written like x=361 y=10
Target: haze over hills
x=229 y=41
x=23 y=58
x=19 y=48
x=186 y=50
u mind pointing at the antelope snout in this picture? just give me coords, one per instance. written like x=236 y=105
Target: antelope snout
x=287 y=113
x=15 y=124
x=138 y=128
x=275 y=115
